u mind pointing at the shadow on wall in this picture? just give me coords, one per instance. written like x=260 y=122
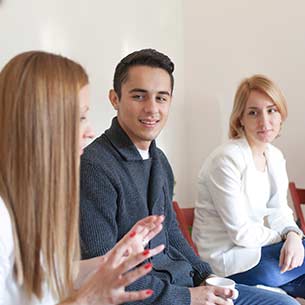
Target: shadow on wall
x=207 y=131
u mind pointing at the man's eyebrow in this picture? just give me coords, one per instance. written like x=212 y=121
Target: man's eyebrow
x=137 y=90
x=164 y=92
x=145 y=91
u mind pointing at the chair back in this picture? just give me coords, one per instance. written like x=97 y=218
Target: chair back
x=298 y=198
x=185 y=217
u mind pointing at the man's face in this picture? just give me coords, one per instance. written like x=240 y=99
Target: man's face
x=144 y=104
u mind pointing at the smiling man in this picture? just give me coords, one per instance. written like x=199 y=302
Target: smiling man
x=125 y=177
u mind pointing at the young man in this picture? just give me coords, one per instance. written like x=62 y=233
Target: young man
x=125 y=177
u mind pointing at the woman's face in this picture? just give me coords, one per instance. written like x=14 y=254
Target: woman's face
x=85 y=128
x=261 y=119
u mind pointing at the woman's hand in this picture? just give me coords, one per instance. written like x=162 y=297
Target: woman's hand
x=102 y=280
x=292 y=253
x=144 y=230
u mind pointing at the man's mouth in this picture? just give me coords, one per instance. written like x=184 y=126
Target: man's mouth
x=149 y=122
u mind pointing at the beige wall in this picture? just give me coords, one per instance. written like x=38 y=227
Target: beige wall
x=213 y=43
x=225 y=41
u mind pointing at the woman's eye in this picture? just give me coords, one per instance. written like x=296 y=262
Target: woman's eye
x=272 y=110
x=252 y=113
x=83 y=118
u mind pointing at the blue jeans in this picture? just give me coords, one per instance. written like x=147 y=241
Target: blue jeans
x=256 y=296
x=267 y=272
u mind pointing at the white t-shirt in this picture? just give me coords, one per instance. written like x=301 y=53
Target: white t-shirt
x=144 y=153
x=10 y=292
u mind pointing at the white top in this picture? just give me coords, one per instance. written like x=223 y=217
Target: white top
x=10 y=292
x=231 y=223
x=144 y=153
x=263 y=185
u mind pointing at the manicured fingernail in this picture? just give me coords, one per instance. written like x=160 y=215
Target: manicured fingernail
x=148 y=266
x=132 y=234
x=145 y=252
x=149 y=292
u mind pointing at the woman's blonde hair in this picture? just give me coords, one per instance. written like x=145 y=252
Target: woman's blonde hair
x=39 y=166
x=260 y=83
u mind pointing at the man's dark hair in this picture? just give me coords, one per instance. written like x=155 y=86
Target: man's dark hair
x=145 y=57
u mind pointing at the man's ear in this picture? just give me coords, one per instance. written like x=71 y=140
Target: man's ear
x=114 y=99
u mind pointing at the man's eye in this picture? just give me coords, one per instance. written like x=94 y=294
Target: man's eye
x=161 y=99
x=138 y=97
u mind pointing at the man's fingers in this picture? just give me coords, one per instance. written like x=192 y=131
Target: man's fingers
x=222 y=295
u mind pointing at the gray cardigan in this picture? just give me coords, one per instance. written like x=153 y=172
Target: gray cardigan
x=113 y=198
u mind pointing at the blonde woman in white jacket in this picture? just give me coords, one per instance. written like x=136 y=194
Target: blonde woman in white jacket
x=243 y=226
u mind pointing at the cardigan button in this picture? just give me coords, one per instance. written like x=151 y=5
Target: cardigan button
x=192 y=273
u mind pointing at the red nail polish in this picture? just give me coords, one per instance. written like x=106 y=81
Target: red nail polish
x=148 y=266
x=132 y=234
x=149 y=292
x=146 y=252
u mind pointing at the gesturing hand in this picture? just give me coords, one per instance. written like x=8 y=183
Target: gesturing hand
x=292 y=253
x=143 y=231
x=102 y=280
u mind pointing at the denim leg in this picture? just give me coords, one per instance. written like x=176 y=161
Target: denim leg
x=267 y=271
x=296 y=288
x=256 y=296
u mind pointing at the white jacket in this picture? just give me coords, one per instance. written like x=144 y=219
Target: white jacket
x=229 y=229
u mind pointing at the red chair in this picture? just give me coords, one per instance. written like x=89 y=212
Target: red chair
x=185 y=217
x=298 y=198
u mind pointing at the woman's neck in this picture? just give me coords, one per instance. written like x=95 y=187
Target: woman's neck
x=259 y=157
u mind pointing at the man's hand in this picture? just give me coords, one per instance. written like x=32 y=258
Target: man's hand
x=292 y=253
x=209 y=295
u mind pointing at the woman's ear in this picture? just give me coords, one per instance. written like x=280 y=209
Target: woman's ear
x=114 y=99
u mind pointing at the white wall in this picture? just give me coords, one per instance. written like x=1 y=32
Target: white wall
x=214 y=44
x=98 y=34
x=225 y=41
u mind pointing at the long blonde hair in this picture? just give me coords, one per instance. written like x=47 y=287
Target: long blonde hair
x=39 y=166
x=260 y=83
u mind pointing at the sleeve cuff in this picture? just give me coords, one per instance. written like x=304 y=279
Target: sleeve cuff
x=291 y=229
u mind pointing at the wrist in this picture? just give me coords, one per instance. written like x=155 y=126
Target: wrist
x=293 y=234
x=292 y=231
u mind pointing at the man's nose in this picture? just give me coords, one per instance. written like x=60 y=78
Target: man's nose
x=151 y=105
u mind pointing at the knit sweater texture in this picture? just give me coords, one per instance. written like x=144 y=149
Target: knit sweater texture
x=115 y=194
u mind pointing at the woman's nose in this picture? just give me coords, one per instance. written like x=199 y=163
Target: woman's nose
x=89 y=134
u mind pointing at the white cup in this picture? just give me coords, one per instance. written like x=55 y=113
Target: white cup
x=223 y=282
